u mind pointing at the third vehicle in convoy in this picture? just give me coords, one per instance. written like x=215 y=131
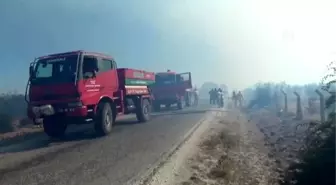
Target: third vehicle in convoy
x=85 y=87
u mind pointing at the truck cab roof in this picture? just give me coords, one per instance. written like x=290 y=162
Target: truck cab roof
x=76 y=52
x=165 y=73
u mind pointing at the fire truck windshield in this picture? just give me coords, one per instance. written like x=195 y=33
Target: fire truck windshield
x=165 y=79
x=55 y=70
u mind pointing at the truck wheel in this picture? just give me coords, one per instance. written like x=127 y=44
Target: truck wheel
x=104 y=119
x=54 y=126
x=143 y=111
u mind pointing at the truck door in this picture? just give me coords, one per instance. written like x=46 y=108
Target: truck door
x=107 y=76
x=185 y=79
x=105 y=80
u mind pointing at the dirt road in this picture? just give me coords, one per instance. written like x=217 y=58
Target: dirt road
x=82 y=159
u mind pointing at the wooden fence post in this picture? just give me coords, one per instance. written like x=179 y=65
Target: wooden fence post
x=322 y=105
x=285 y=99
x=299 y=114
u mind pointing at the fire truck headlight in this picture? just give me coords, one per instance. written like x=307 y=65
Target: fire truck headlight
x=47 y=110
x=36 y=110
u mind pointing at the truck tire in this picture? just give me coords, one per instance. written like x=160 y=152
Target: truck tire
x=143 y=111
x=104 y=119
x=187 y=99
x=54 y=126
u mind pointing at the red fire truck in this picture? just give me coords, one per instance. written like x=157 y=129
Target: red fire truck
x=85 y=87
x=172 y=88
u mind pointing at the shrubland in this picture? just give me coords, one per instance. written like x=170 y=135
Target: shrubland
x=12 y=112
x=316 y=151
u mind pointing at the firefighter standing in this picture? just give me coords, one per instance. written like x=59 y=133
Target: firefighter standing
x=240 y=99
x=195 y=96
x=219 y=91
x=215 y=96
x=220 y=100
x=234 y=99
x=211 y=96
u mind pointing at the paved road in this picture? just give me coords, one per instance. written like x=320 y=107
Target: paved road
x=83 y=159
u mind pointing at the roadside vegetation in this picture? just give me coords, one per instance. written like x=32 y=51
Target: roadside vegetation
x=214 y=164
x=313 y=156
x=317 y=155
x=12 y=112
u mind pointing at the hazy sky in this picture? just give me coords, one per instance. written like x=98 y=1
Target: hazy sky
x=236 y=42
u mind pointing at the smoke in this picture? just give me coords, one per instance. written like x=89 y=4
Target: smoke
x=237 y=43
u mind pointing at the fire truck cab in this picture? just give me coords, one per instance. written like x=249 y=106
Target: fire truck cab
x=172 y=88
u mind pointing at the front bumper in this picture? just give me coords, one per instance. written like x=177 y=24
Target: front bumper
x=166 y=100
x=41 y=111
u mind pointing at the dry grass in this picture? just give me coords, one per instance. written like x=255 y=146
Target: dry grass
x=304 y=150
x=316 y=156
x=287 y=141
x=224 y=140
x=229 y=156
x=19 y=133
x=20 y=128
x=213 y=164
x=13 y=120
x=279 y=135
x=223 y=143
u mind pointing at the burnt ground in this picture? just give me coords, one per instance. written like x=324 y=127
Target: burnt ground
x=237 y=148
x=283 y=135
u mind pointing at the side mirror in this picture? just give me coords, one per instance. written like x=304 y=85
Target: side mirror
x=178 y=79
x=31 y=72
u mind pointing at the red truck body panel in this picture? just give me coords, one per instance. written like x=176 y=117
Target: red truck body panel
x=133 y=81
x=128 y=77
x=168 y=91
